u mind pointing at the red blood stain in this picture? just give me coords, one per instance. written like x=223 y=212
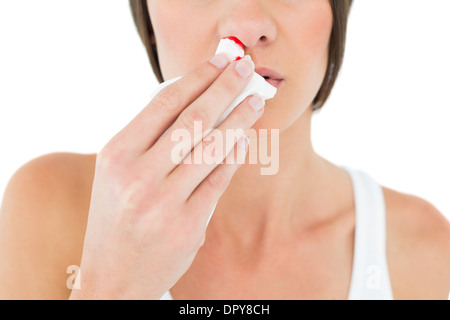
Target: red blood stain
x=237 y=41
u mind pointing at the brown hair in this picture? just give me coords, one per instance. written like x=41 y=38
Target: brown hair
x=336 y=48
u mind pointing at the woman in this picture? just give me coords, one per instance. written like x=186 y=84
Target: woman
x=135 y=221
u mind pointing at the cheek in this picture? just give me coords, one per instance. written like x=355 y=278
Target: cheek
x=314 y=35
x=311 y=48
x=178 y=44
x=167 y=33
x=318 y=30
x=309 y=33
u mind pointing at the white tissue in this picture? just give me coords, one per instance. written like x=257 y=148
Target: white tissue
x=230 y=48
x=257 y=85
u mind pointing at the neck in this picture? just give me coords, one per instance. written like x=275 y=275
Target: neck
x=257 y=208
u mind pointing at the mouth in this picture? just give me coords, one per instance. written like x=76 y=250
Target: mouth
x=271 y=76
x=274 y=82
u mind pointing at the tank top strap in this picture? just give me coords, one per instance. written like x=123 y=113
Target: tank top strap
x=370 y=275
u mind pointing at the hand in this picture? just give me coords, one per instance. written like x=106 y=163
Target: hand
x=148 y=213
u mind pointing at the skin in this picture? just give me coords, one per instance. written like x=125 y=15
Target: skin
x=306 y=209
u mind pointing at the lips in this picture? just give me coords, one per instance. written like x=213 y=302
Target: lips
x=271 y=76
x=275 y=83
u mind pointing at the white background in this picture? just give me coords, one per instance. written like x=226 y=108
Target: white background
x=73 y=73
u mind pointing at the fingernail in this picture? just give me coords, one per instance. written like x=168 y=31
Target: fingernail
x=244 y=67
x=256 y=102
x=220 y=61
x=249 y=59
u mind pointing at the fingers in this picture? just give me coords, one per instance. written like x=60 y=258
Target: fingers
x=215 y=147
x=203 y=112
x=145 y=129
x=205 y=196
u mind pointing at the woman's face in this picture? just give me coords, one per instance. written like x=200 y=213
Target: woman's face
x=288 y=36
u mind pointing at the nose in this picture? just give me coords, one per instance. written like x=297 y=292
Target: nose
x=248 y=20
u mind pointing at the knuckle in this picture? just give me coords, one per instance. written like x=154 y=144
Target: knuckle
x=206 y=143
x=108 y=158
x=167 y=99
x=231 y=87
x=218 y=180
x=189 y=118
x=248 y=114
x=199 y=73
x=131 y=194
x=139 y=193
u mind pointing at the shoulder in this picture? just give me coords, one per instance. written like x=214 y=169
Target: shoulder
x=55 y=166
x=43 y=218
x=52 y=181
x=418 y=247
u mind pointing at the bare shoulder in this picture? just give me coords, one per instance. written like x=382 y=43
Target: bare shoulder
x=43 y=219
x=418 y=247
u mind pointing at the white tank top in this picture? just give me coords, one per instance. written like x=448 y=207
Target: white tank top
x=370 y=274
